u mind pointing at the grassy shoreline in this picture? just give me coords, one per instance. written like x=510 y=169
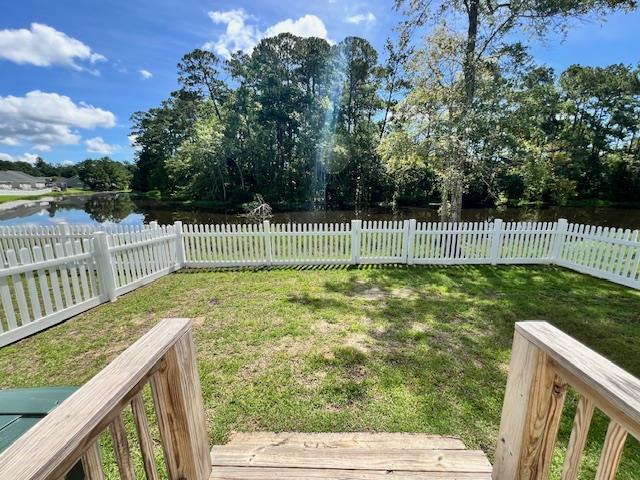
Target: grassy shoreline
x=68 y=192
x=398 y=349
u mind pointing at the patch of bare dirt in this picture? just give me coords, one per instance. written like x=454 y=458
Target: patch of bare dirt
x=405 y=293
x=293 y=348
x=417 y=327
x=359 y=342
x=323 y=327
x=374 y=293
x=199 y=321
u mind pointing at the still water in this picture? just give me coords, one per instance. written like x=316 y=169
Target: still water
x=131 y=209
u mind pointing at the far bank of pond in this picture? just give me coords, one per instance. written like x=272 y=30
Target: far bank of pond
x=133 y=209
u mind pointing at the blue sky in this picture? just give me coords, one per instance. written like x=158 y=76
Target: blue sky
x=73 y=71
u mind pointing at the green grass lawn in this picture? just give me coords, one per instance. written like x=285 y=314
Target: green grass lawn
x=68 y=191
x=407 y=349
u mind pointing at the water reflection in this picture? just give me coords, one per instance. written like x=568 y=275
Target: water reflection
x=112 y=208
x=131 y=209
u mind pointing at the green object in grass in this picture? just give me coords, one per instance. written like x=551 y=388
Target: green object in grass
x=22 y=408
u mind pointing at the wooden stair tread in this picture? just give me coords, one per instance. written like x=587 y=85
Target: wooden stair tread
x=346 y=456
x=422 y=460
x=275 y=473
x=348 y=440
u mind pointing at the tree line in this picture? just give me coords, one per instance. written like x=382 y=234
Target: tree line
x=103 y=174
x=461 y=116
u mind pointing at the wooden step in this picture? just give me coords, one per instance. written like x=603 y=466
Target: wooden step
x=348 y=440
x=346 y=456
x=407 y=459
x=252 y=473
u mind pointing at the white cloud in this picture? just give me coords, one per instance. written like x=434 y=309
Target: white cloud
x=133 y=142
x=306 y=26
x=67 y=163
x=44 y=46
x=98 y=145
x=361 y=18
x=241 y=35
x=237 y=36
x=145 y=74
x=46 y=119
x=25 y=157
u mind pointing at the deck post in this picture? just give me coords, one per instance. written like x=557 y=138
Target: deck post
x=558 y=240
x=180 y=253
x=496 y=241
x=266 y=232
x=530 y=414
x=356 y=227
x=105 y=266
x=177 y=397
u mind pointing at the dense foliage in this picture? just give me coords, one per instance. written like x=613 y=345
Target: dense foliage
x=40 y=168
x=303 y=122
x=102 y=174
x=469 y=44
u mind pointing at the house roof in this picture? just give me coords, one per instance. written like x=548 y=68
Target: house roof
x=16 y=176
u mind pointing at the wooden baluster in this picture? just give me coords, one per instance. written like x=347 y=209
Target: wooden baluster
x=579 y=432
x=92 y=464
x=121 y=449
x=530 y=415
x=179 y=406
x=611 y=451
x=144 y=436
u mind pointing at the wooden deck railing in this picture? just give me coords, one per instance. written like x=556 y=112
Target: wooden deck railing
x=544 y=363
x=163 y=357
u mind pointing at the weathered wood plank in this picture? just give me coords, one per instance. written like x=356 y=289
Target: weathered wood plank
x=259 y=473
x=92 y=464
x=144 y=437
x=348 y=440
x=177 y=397
x=352 y=459
x=611 y=452
x=578 y=438
x=121 y=449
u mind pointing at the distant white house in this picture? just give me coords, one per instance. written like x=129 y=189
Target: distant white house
x=14 y=182
x=72 y=182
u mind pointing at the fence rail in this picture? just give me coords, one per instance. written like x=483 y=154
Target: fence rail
x=53 y=273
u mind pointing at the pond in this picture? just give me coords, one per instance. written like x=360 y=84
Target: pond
x=132 y=209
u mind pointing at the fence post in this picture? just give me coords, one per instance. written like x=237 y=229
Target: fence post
x=496 y=241
x=356 y=226
x=266 y=232
x=180 y=255
x=562 y=226
x=65 y=232
x=153 y=224
x=409 y=240
x=105 y=267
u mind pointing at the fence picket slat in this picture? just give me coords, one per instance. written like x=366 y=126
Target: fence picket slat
x=34 y=297
x=18 y=289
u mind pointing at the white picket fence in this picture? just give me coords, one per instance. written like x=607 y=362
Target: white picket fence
x=53 y=273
